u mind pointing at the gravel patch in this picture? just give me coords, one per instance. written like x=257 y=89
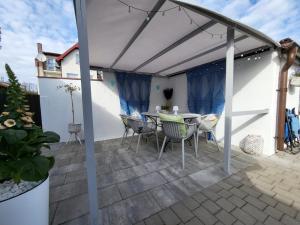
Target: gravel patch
x=10 y=189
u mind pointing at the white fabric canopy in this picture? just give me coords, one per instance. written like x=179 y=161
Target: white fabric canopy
x=111 y=27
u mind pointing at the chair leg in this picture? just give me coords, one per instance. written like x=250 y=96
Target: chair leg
x=206 y=137
x=77 y=138
x=129 y=146
x=162 y=147
x=196 y=145
x=182 y=149
x=157 y=143
x=138 y=143
x=215 y=139
x=123 y=137
x=69 y=139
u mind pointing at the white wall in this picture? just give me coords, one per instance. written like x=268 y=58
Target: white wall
x=255 y=84
x=179 y=84
x=69 y=65
x=56 y=105
x=292 y=100
x=158 y=84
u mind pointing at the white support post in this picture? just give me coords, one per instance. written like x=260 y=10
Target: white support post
x=87 y=111
x=228 y=98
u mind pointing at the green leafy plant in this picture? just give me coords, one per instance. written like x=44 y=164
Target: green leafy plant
x=21 y=140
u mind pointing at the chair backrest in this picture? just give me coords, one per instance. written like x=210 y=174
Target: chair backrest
x=208 y=122
x=124 y=119
x=136 y=124
x=172 y=129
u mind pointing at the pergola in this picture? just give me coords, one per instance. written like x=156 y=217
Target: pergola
x=161 y=38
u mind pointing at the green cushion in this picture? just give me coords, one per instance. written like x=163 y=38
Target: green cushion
x=174 y=118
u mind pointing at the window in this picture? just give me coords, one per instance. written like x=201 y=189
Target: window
x=72 y=75
x=77 y=58
x=51 y=64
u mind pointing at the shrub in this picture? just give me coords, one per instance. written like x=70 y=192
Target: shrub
x=21 y=140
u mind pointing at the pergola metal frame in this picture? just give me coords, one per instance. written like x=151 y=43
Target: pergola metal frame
x=80 y=11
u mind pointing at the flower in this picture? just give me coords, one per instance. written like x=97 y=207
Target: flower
x=5 y=113
x=19 y=110
x=27 y=119
x=29 y=113
x=28 y=125
x=9 y=123
x=2 y=127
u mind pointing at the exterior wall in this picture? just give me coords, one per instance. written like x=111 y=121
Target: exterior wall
x=292 y=100
x=56 y=105
x=179 y=84
x=255 y=84
x=69 y=65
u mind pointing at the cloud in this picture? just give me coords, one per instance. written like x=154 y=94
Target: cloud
x=26 y=22
x=277 y=18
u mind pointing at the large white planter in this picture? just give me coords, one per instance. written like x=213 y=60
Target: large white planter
x=29 y=208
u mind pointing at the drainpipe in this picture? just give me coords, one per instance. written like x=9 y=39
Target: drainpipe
x=290 y=49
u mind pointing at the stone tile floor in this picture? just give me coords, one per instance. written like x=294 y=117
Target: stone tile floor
x=139 y=189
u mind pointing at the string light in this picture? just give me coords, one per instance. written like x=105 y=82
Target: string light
x=163 y=12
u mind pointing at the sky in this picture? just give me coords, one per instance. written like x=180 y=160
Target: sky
x=52 y=22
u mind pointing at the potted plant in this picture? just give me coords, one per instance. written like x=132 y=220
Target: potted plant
x=168 y=93
x=24 y=179
x=73 y=128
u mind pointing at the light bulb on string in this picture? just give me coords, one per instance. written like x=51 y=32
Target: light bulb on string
x=129 y=9
x=212 y=36
x=179 y=8
x=147 y=18
x=163 y=13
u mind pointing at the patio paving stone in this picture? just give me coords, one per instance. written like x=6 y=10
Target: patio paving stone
x=208 y=176
x=139 y=189
x=67 y=191
x=71 y=209
x=154 y=220
x=108 y=195
x=140 y=184
x=164 y=197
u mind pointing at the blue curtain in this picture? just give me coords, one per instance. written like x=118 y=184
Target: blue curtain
x=205 y=86
x=134 y=92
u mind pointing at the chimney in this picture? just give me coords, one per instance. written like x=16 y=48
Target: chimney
x=39 y=65
x=39 y=47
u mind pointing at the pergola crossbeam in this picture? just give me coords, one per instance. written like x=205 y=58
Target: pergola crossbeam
x=152 y=13
x=201 y=54
x=177 y=43
x=227 y=22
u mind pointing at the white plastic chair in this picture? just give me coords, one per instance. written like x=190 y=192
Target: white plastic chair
x=142 y=127
x=206 y=124
x=124 y=119
x=172 y=131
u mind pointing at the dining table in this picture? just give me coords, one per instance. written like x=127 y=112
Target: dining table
x=188 y=117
